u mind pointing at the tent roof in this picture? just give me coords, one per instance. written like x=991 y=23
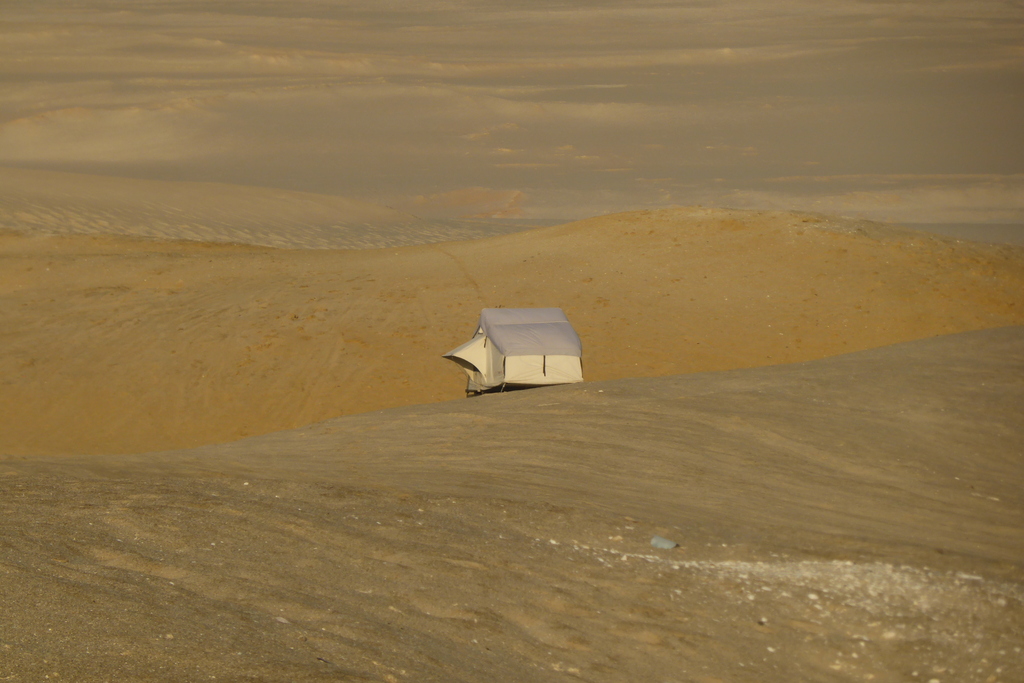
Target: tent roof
x=530 y=331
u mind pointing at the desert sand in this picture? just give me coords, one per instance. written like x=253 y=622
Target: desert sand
x=848 y=519
x=236 y=238
x=902 y=112
x=823 y=413
x=117 y=344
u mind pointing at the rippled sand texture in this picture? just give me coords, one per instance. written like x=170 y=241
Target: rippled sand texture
x=891 y=111
x=854 y=518
x=124 y=345
x=236 y=236
x=52 y=203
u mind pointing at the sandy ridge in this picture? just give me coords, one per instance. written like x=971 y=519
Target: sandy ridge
x=124 y=345
x=509 y=536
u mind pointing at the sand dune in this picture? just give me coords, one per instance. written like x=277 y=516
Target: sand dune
x=893 y=112
x=229 y=446
x=52 y=203
x=124 y=345
x=854 y=518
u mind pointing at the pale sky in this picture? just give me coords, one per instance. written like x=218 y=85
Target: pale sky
x=907 y=111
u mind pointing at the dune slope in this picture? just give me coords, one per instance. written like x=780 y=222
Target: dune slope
x=55 y=203
x=73 y=203
x=853 y=518
x=113 y=344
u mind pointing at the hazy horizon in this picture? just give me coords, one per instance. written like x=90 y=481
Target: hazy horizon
x=907 y=112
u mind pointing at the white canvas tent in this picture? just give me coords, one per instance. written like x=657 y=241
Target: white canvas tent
x=520 y=347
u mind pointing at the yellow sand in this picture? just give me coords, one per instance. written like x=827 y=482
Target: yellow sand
x=113 y=344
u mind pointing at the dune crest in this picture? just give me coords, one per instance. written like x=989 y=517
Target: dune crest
x=119 y=345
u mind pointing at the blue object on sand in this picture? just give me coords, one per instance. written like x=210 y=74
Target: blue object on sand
x=663 y=543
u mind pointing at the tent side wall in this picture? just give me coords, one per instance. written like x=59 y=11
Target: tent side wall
x=540 y=370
